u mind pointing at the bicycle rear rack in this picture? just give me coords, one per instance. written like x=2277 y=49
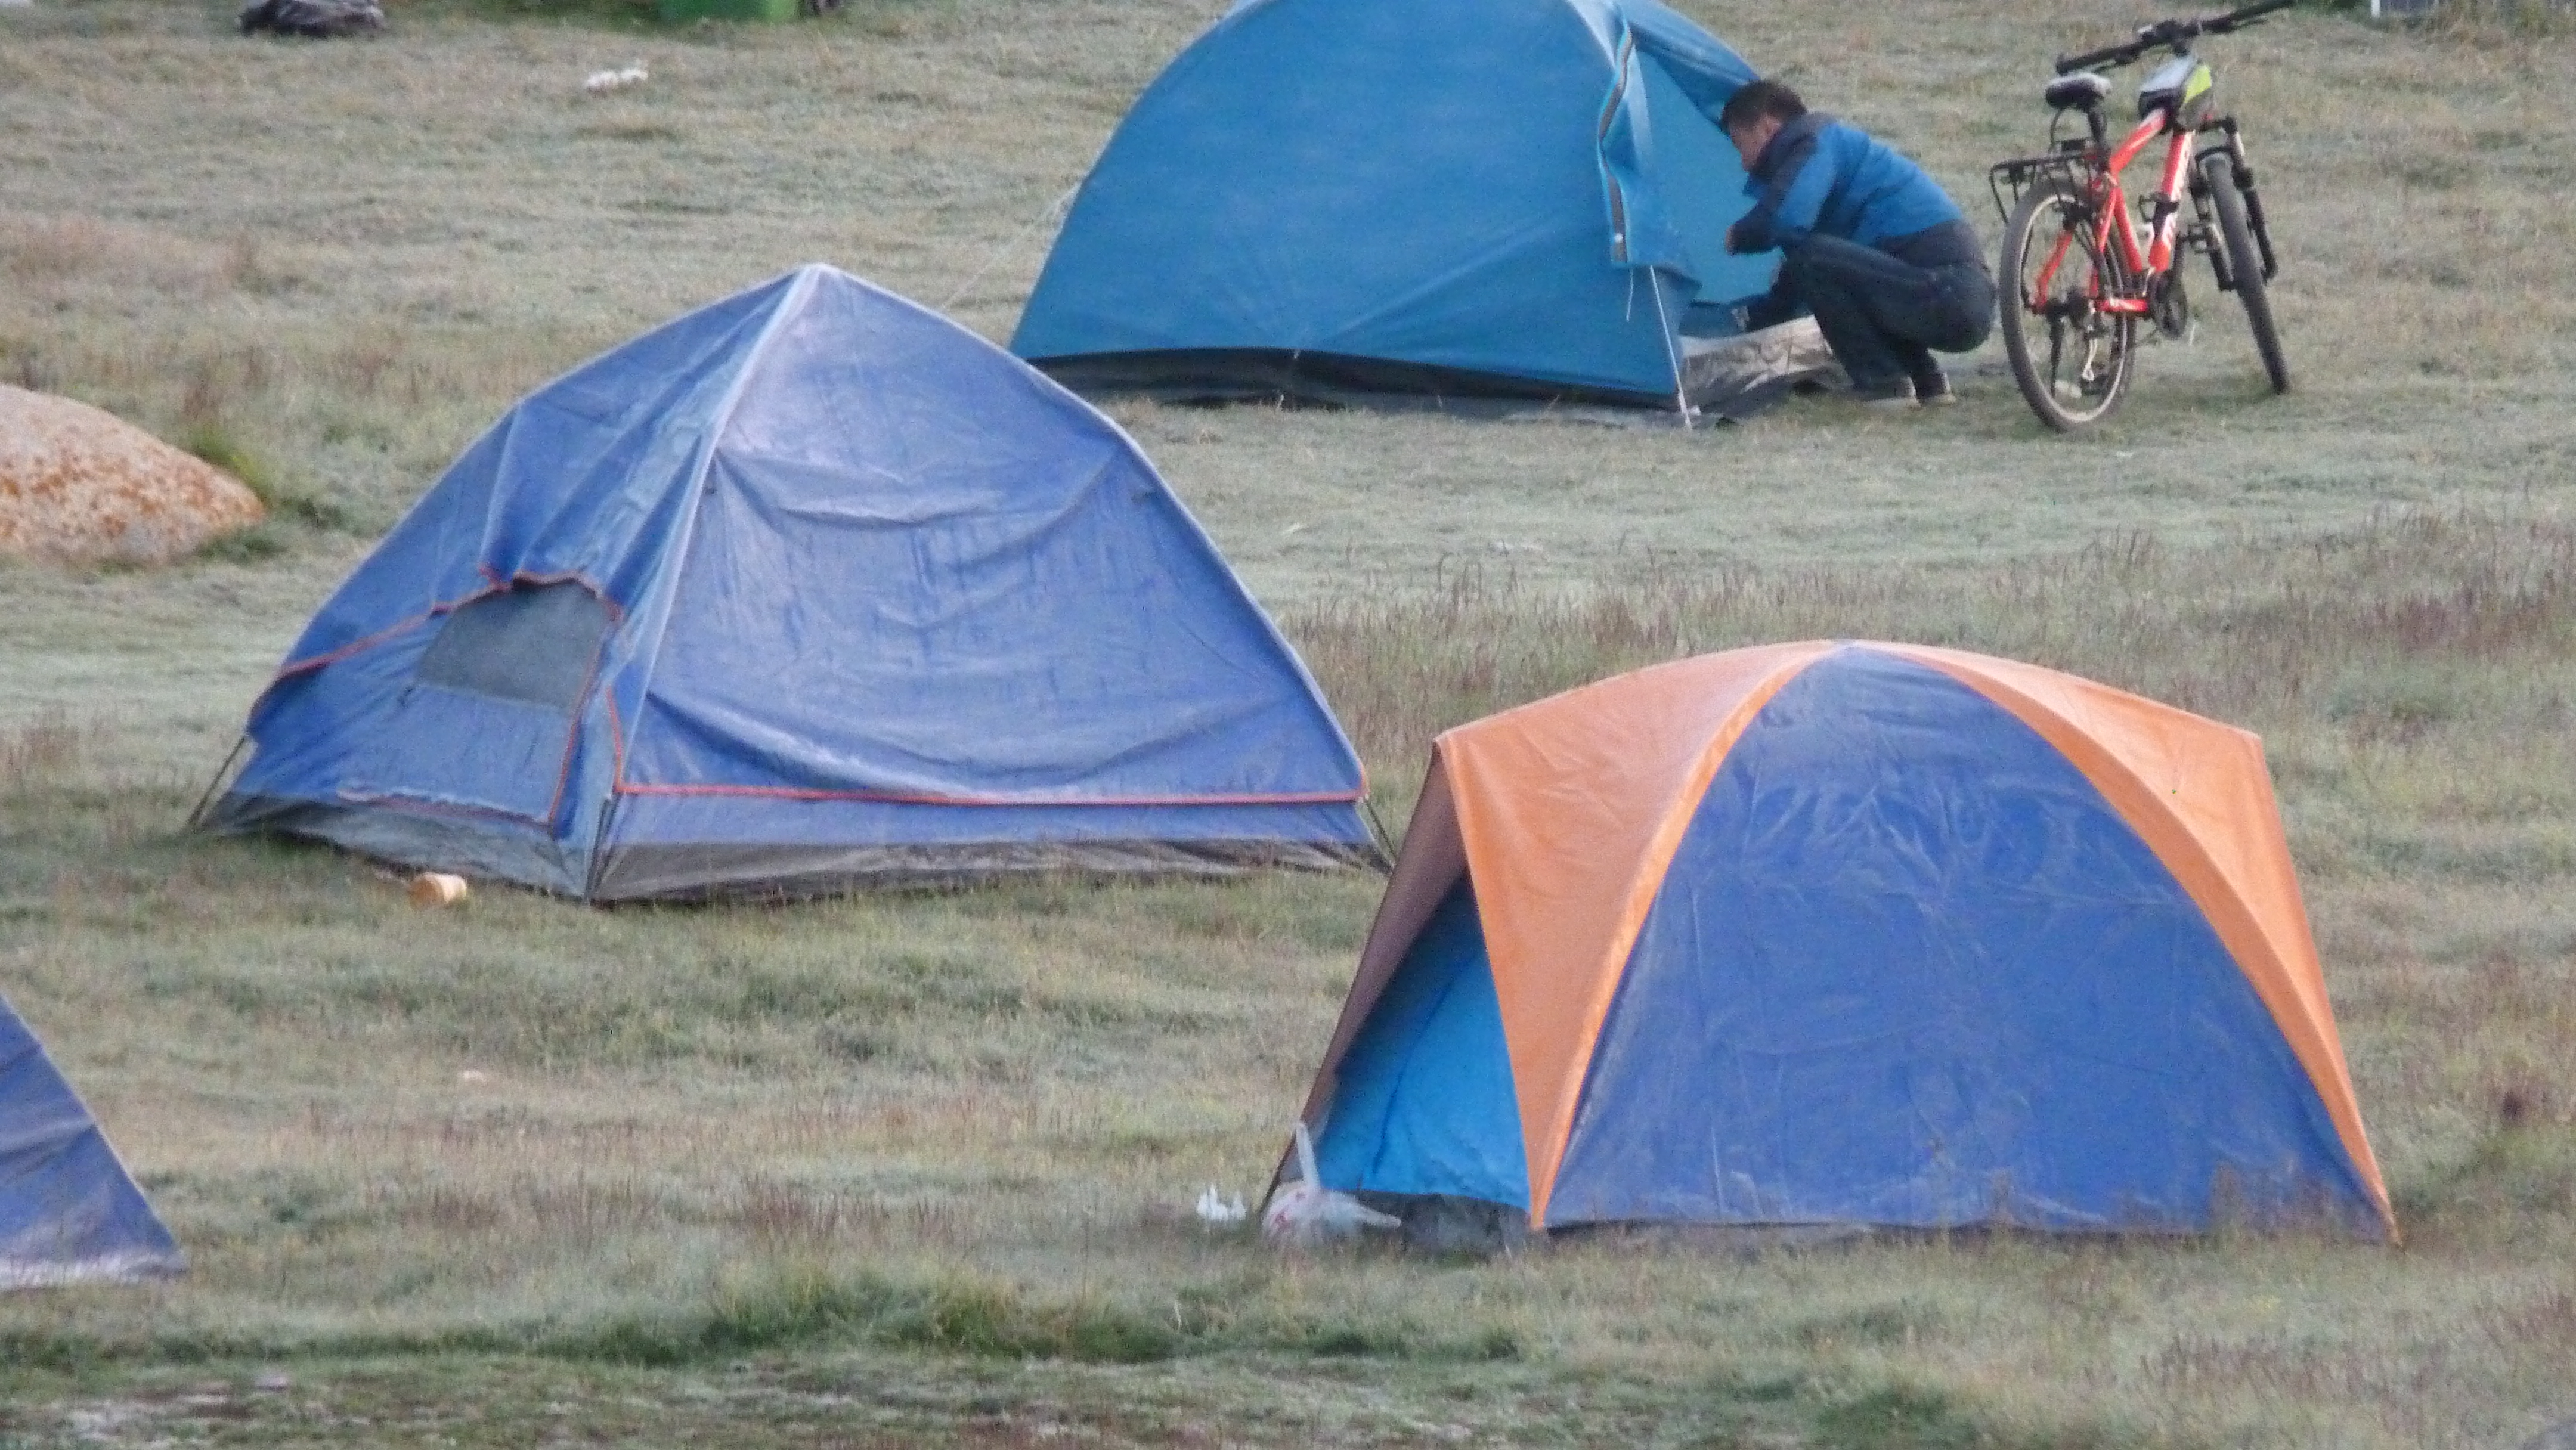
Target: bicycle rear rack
x=2010 y=180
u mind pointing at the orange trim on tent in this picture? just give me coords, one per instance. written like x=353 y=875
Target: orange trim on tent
x=1570 y=809
x=2199 y=794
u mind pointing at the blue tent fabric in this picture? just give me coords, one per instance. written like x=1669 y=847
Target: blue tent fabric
x=809 y=587
x=1424 y=1101
x=1853 y=999
x=69 y=1213
x=1520 y=196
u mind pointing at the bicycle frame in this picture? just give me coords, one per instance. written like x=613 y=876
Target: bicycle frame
x=2118 y=227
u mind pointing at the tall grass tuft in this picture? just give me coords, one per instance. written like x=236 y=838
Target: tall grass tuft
x=2374 y=624
x=39 y=752
x=2501 y=21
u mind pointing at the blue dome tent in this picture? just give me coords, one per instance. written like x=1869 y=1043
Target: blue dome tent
x=1350 y=200
x=69 y=1213
x=808 y=589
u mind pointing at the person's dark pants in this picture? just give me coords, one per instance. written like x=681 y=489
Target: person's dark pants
x=1886 y=309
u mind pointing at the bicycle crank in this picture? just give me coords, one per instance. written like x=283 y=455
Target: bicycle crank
x=2170 y=306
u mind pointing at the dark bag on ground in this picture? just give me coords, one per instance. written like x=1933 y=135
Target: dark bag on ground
x=324 y=18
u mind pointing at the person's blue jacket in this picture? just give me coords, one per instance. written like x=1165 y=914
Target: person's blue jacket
x=1820 y=175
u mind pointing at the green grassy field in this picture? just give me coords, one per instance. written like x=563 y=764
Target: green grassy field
x=908 y=1170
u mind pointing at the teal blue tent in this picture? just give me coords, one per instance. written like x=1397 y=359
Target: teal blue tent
x=69 y=1213
x=1519 y=199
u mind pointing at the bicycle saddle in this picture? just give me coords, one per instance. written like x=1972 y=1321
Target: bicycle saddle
x=2083 y=88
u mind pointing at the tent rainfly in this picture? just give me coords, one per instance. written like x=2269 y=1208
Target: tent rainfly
x=808 y=589
x=1845 y=935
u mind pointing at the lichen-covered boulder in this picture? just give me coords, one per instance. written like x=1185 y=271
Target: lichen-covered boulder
x=81 y=486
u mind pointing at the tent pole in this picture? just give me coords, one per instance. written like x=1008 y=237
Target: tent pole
x=1681 y=384
x=223 y=775
x=1377 y=828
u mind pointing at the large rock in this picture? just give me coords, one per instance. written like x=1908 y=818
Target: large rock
x=79 y=486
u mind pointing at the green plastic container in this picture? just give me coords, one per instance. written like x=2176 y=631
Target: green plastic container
x=679 y=10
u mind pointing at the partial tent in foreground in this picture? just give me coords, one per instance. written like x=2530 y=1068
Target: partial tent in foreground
x=809 y=589
x=1845 y=935
x=69 y=1212
x=1474 y=205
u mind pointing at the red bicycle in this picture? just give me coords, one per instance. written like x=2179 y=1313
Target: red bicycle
x=2081 y=270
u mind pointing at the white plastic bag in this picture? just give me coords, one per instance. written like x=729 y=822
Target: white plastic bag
x=601 y=82
x=1305 y=1214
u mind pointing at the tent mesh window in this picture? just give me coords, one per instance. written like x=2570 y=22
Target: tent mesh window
x=534 y=643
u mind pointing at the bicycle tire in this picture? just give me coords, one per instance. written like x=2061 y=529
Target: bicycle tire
x=2243 y=259
x=2109 y=340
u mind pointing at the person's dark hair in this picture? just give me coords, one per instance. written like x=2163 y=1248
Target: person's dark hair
x=1757 y=100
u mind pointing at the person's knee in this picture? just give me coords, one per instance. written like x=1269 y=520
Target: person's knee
x=1822 y=261
x=1811 y=274
x=1969 y=312
x=1964 y=330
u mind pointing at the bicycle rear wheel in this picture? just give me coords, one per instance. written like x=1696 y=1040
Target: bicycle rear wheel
x=2219 y=172
x=2071 y=358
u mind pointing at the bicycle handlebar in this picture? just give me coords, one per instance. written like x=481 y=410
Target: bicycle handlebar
x=2170 y=32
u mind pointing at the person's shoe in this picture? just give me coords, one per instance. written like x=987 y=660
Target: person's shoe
x=1894 y=395
x=1932 y=390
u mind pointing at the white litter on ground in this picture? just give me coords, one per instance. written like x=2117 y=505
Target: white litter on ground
x=601 y=82
x=1220 y=1211
x=1305 y=1214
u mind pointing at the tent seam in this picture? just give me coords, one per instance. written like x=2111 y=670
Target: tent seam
x=932 y=798
x=758 y=353
x=1642 y=890
x=1207 y=543
x=2355 y=1143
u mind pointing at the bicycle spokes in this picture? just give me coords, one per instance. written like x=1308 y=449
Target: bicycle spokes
x=2066 y=348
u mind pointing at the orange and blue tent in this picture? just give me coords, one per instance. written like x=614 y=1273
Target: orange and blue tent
x=1848 y=933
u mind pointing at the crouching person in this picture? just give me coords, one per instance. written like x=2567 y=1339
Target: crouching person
x=1869 y=244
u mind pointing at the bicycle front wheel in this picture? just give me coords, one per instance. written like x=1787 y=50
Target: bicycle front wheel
x=2070 y=357
x=2247 y=263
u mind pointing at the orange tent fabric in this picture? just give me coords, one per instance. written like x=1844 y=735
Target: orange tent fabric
x=2199 y=793
x=1570 y=809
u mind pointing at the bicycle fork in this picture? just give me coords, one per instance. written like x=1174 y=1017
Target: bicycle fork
x=2241 y=173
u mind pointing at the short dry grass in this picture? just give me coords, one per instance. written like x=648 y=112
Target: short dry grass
x=893 y=1170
